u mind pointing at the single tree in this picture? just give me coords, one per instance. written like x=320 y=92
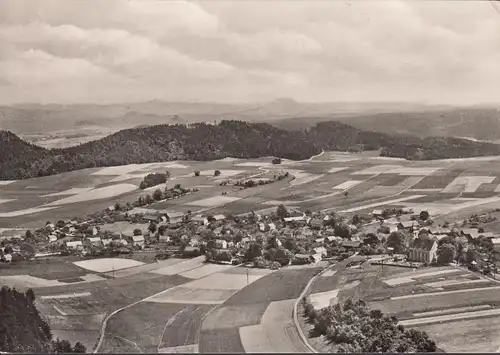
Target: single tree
x=281 y=211
x=137 y=232
x=197 y=173
x=446 y=254
x=424 y=215
x=217 y=173
x=157 y=195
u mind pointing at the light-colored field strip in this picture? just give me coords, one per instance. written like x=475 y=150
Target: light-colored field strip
x=223 y=281
x=91 y=278
x=276 y=333
x=25 y=212
x=193 y=296
x=97 y=194
x=323 y=299
x=305 y=179
x=425 y=190
x=175 y=166
x=59 y=310
x=471 y=183
x=6 y=182
x=183 y=349
x=407 y=279
x=144 y=268
x=377 y=169
x=382 y=203
x=6 y=200
x=347 y=184
x=68 y=295
x=450 y=317
x=180 y=267
x=407 y=171
x=126 y=177
x=335 y=170
x=21 y=281
x=253 y=164
x=329 y=273
x=452 y=311
x=255 y=340
x=73 y=191
x=204 y=271
x=277 y=203
x=223 y=172
x=342 y=159
x=439 y=272
x=120 y=170
x=107 y=264
x=455 y=282
x=213 y=201
x=420 y=295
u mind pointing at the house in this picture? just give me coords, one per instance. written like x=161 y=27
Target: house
x=316 y=223
x=52 y=238
x=262 y=227
x=320 y=250
x=7 y=258
x=393 y=227
x=423 y=250
x=220 y=244
x=151 y=218
x=279 y=243
x=106 y=242
x=219 y=217
x=489 y=235
x=77 y=244
x=406 y=225
x=138 y=240
x=351 y=244
x=438 y=237
x=95 y=241
x=317 y=257
x=193 y=242
x=496 y=242
x=218 y=231
x=94 y=230
x=50 y=226
x=319 y=240
x=294 y=219
x=378 y=213
x=471 y=233
x=272 y=226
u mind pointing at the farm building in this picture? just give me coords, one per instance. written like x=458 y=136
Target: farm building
x=77 y=244
x=106 y=241
x=351 y=244
x=471 y=233
x=52 y=238
x=423 y=250
x=406 y=225
x=95 y=241
x=294 y=219
x=262 y=227
x=316 y=223
x=439 y=230
x=317 y=257
x=218 y=231
x=138 y=240
x=377 y=213
x=496 y=242
x=272 y=226
x=219 y=217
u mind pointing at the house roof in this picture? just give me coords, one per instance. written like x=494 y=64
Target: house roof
x=138 y=238
x=219 y=217
x=473 y=232
x=422 y=244
x=495 y=241
x=407 y=224
x=74 y=243
x=94 y=239
x=377 y=211
x=316 y=222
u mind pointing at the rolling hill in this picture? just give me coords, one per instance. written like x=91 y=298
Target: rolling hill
x=201 y=141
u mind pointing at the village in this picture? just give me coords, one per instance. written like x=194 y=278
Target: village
x=288 y=236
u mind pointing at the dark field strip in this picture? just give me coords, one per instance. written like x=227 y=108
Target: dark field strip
x=221 y=341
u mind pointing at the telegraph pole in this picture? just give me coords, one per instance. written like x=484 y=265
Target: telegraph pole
x=248 y=281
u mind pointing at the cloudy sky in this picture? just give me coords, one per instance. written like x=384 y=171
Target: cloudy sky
x=68 y=51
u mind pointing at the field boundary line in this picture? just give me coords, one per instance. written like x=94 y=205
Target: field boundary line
x=170 y=321
x=128 y=341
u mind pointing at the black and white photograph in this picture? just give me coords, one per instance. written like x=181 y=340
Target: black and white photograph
x=249 y=176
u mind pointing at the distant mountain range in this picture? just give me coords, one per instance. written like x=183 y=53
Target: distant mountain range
x=200 y=141
x=34 y=121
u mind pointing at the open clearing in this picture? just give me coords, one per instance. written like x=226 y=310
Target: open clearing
x=213 y=201
x=451 y=317
x=323 y=299
x=467 y=183
x=347 y=184
x=98 y=194
x=107 y=264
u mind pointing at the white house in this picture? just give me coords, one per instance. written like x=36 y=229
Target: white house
x=106 y=241
x=320 y=250
x=95 y=240
x=164 y=238
x=219 y=217
x=220 y=244
x=272 y=226
x=75 y=244
x=52 y=238
x=138 y=240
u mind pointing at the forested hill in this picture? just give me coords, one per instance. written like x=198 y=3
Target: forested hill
x=22 y=330
x=239 y=139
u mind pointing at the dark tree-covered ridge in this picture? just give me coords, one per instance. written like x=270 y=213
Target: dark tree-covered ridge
x=238 y=139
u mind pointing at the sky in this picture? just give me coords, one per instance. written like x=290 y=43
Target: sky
x=94 y=51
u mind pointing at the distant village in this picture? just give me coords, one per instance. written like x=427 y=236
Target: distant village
x=286 y=236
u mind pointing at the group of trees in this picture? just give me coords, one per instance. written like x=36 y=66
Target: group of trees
x=22 y=329
x=352 y=327
x=159 y=195
x=154 y=179
x=252 y=183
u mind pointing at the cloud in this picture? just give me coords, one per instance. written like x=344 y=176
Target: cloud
x=65 y=51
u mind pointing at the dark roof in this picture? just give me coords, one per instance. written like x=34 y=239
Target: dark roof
x=423 y=243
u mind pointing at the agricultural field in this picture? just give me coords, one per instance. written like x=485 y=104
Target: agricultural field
x=452 y=304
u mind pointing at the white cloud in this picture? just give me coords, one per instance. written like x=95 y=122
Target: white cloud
x=65 y=51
